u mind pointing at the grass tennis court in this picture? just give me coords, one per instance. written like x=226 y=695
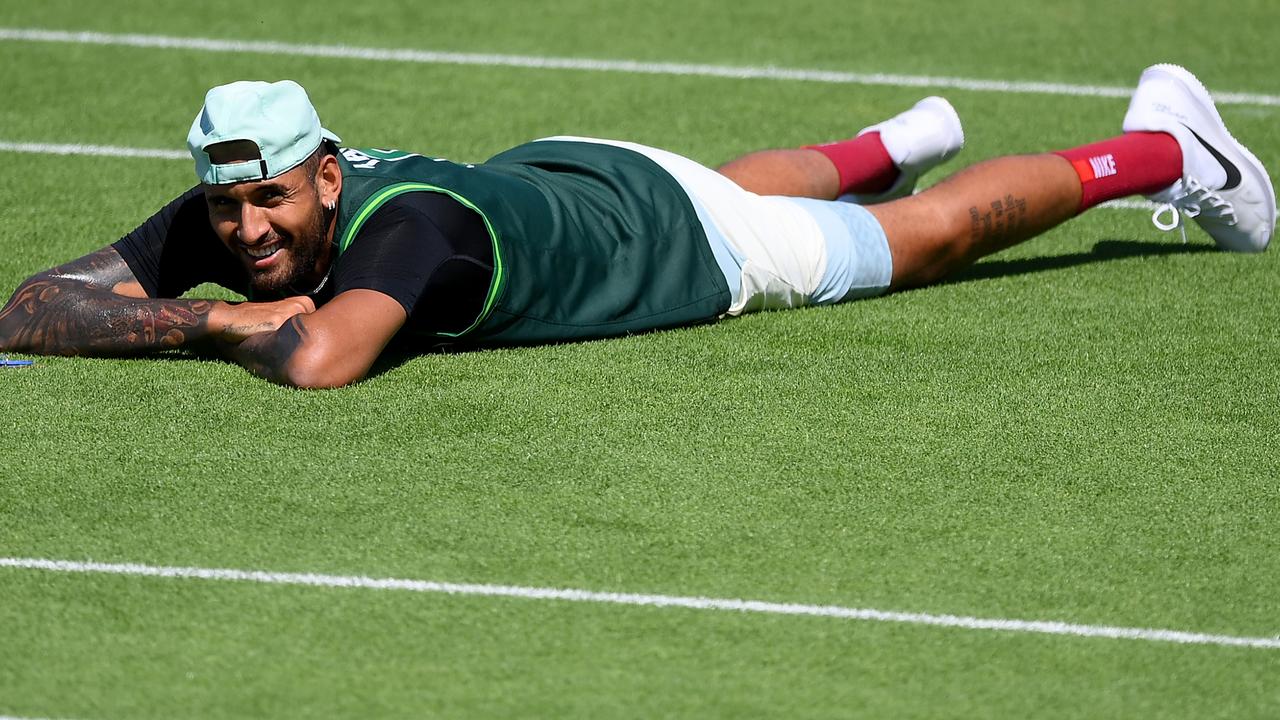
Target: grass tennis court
x=1081 y=430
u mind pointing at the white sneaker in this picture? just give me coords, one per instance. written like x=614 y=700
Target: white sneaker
x=1223 y=186
x=917 y=140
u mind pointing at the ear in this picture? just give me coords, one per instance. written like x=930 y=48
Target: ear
x=329 y=180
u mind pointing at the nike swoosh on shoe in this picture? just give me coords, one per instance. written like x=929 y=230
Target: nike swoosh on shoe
x=1233 y=172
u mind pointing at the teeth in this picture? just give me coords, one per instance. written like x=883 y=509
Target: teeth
x=261 y=252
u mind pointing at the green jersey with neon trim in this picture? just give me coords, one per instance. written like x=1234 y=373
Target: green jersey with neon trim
x=589 y=240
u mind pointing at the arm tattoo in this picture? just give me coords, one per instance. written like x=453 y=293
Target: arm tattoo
x=71 y=310
x=267 y=355
x=104 y=268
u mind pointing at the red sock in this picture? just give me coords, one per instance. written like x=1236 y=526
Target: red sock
x=864 y=165
x=1136 y=163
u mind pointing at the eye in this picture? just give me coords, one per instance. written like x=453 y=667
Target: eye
x=271 y=196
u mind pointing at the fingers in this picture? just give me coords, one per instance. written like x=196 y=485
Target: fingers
x=250 y=318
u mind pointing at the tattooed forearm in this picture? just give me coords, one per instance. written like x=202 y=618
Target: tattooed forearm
x=268 y=355
x=71 y=310
x=1002 y=221
x=65 y=317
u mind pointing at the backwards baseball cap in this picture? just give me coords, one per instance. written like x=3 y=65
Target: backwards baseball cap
x=276 y=117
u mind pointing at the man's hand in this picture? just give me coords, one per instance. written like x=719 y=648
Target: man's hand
x=331 y=347
x=236 y=323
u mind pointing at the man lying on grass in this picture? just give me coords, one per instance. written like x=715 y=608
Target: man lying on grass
x=339 y=250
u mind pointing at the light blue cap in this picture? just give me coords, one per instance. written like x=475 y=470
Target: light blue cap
x=277 y=117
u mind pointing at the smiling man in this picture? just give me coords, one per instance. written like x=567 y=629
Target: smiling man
x=339 y=250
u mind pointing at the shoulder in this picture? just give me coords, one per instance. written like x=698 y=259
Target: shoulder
x=412 y=215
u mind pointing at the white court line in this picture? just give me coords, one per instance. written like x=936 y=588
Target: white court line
x=663 y=601
x=92 y=150
x=1129 y=205
x=430 y=57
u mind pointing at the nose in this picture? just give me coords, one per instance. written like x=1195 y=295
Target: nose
x=253 y=225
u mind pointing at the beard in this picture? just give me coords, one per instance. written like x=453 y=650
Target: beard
x=296 y=271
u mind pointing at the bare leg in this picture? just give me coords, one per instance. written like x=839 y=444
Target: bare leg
x=976 y=212
x=795 y=173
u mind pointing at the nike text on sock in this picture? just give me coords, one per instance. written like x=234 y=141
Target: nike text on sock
x=1137 y=163
x=1102 y=166
x=863 y=164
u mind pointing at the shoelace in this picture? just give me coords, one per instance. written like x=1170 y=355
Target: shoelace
x=1190 y=203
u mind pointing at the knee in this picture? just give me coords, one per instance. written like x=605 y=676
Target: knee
x=940 y=245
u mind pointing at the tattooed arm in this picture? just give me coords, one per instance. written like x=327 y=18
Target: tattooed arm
x=95 y=306
x=331 y=347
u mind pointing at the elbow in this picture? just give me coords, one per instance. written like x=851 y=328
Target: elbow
x=315 y=380
x=8 y=325
x=16 y=313
x=316 y=368
x=7 y=333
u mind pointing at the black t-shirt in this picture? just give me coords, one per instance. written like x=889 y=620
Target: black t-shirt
x=428 y=251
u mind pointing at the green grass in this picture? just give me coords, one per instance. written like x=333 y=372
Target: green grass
x=1082 y=429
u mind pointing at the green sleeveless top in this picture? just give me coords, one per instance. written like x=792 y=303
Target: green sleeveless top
x=589 y=240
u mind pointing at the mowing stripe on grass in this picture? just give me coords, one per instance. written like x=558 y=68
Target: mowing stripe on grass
x=665 y=601
x=128 y=152
x=739 y=72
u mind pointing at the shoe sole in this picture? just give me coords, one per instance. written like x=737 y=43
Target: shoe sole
x=1198 y=91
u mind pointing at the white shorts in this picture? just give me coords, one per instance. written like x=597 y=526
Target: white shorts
x=778 y=252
